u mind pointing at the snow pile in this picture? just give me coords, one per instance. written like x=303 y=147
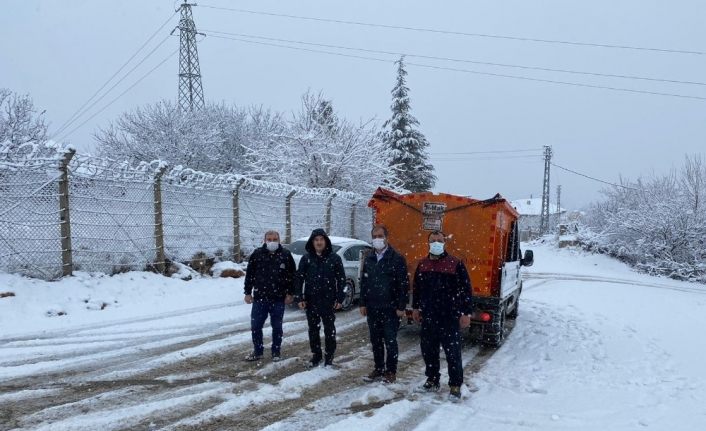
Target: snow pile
x=93 y=298
x=219 y=267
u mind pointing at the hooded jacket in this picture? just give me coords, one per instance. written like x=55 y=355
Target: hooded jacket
x=270 y=275
x=320 y=279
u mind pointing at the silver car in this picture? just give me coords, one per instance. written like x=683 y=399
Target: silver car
x=350 y=250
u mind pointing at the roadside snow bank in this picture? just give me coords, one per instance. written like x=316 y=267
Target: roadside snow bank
x=87 y=299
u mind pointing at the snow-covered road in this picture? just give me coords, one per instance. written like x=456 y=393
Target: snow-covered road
x=596 y=346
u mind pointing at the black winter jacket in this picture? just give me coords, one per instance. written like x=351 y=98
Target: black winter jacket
x=321 y=279
x=442 y=287
x=270 y=275
x=385 y=283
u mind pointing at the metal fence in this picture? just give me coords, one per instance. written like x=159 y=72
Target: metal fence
x=61 y=211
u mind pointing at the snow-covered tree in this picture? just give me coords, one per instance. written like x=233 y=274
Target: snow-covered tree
x=312 y=148
x=210 y=139
x=407 y=144
x=657 y=224
x=20 y=123
x=316 y=148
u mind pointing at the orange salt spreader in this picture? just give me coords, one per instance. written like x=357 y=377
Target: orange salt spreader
x=484 y=234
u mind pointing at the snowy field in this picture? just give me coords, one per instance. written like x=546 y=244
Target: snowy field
x=597 y=346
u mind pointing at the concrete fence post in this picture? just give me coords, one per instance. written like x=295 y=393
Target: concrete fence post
x=237 y=254
x=353 y=220
x=329 y=208
x=288 y=217
x=160 y=261
x=67 y=264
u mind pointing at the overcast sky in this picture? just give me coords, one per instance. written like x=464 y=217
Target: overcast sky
x=61 y=51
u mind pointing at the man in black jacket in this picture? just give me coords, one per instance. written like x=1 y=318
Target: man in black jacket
x=270 y=274
x=319 y=285
x=384 y=291
x=442 y=302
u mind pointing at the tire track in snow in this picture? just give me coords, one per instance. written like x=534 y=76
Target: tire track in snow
x=123 y=322
x=77 y=384
x=549 y=276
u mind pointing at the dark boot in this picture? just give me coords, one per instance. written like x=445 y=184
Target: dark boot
x=374 y=376
x=314 y=361
x=253 y=357
x=328 y=360
x=455 y=394
x=431 y=385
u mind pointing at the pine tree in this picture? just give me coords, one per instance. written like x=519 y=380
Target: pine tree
x=407 y=144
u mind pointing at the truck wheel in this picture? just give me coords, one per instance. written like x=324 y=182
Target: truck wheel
x=495 y=335
x=515 y=311
x=350 y=294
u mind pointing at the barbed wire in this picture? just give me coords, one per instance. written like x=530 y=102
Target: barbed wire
x=114 y=214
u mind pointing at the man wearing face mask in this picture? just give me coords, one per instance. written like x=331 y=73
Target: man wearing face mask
x=270 y=275
x=442 y=302
x=319 y=286
x=384 y=290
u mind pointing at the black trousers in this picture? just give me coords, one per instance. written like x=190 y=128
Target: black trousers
x=383 y=324
x=315 y=318
x=444 y=331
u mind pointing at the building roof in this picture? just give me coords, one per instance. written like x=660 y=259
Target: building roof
x=533 y=206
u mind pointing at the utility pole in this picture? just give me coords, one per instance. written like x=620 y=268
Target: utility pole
x=558 y=199
x=544 y=221
x=190 y=90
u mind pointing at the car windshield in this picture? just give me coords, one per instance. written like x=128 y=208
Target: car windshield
x=299 y=247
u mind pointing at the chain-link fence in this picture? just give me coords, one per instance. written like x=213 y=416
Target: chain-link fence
x=61 y=211
x=30 y=239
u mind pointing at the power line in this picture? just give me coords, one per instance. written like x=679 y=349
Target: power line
x=458 y=60
x=537 y=156
x=492 y=151
x=594 y=179
x=149 y=39
x=458 y=33
x=121 y=94
x=95 y=102
x=475 y=72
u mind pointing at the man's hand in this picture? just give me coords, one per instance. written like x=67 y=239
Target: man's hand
x=248 y=299
x=363 y=311
x=464 y=321
x=302 y=305
x=337 y=306
x=417 y=315
x=401 y=313
x=288 y=299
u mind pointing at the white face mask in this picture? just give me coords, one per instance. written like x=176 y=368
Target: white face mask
x=436 y=248
x=272 y=245
x=379 y=243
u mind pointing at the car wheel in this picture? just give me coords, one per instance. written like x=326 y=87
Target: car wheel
x=349 y=291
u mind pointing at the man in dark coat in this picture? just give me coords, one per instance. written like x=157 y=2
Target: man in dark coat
x=320 y=286
x=270 y=276
x=384 y=292
x=442 y=302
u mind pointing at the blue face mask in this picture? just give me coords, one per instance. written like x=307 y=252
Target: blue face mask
x=436 y=248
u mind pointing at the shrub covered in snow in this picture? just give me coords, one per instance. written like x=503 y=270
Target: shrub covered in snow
x=657 y=224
